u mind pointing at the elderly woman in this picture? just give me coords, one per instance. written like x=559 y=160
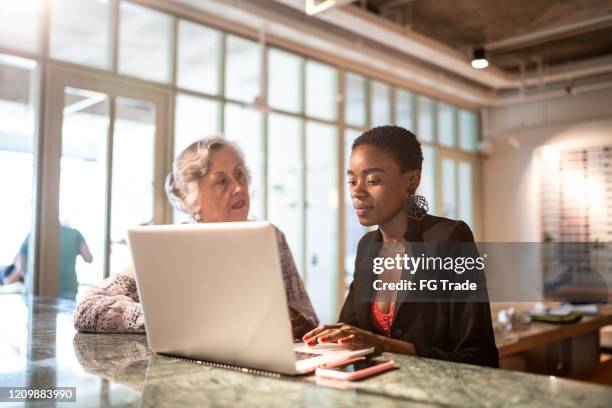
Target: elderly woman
x=209 y=181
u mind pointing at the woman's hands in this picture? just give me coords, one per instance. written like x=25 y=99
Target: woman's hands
x=347 y=335
x=356 y=338
x=299 y=324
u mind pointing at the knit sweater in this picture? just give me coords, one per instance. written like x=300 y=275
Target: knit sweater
x=113 y=305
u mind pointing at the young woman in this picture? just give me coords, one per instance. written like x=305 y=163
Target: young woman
x=209 y=182
x=384 y=174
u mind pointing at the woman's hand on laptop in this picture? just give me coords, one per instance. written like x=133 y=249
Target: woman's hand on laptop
x=346 y=335
x=299 y=324
x=355 y=338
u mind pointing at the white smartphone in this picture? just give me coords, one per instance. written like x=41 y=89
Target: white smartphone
x=356 y=370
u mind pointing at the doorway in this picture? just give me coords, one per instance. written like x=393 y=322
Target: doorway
x=103 y=167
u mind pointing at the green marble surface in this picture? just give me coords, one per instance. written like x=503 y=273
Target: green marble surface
x=39 y=347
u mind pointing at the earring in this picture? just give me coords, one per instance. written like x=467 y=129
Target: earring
x=197 y=217
x=416 y=206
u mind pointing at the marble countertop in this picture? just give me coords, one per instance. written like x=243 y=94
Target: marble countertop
x=39 y=347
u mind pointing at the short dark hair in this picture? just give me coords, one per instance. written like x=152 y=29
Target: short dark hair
x=400 y=143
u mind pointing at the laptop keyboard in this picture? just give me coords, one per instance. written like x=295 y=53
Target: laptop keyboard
x=303 y=356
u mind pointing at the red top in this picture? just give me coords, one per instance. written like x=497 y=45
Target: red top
x=383 y=321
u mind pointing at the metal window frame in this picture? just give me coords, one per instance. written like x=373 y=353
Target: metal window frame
x=109 y=184
x=341 y=245
x=303 y=172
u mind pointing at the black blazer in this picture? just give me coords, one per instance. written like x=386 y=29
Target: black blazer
x=452 y=330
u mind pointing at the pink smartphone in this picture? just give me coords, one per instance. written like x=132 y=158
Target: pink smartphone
x=356 y=370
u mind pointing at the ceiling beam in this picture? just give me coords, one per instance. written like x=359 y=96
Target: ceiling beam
x=573 y=71
x=378 y=29
x=301 y=36
x=549 y=34
x=394 y=3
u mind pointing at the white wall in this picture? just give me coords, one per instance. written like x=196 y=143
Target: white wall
x=510 y=182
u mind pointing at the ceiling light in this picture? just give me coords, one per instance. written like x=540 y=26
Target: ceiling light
x=312 y=7
x=480 y=60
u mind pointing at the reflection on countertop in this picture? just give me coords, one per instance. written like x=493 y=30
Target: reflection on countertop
x=39 y=347
x=122 y=358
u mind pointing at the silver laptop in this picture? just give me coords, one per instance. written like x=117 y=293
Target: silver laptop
x=215 y=292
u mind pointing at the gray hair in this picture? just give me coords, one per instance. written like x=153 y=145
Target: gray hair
x=189 y=167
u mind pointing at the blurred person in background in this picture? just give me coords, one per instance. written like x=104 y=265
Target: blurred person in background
x=72 y=244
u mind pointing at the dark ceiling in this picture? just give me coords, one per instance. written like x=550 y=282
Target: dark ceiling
x=465 y=24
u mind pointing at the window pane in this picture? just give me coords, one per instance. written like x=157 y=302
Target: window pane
x=355 y=100
x=244 y=126
x=80 y=32
x=321 y=90
x=426 y=119
x=144 y=43
x=198 y=58
x=322 y=216
x=285 y=197
x=284 y=80
x=404 y=109
x=466 y=205
x=242 y=69
x=132 y=183
x=381 y=104
x=17 y=119
x=446 y=125
x=427 y=187
x=449 y=203
x=19 y=24
x=468 y=131
x=354 y=230
x=83 y=187
x=194 y=119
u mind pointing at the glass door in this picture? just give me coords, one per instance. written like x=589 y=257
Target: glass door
x=103 y=173
x=83 y=186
